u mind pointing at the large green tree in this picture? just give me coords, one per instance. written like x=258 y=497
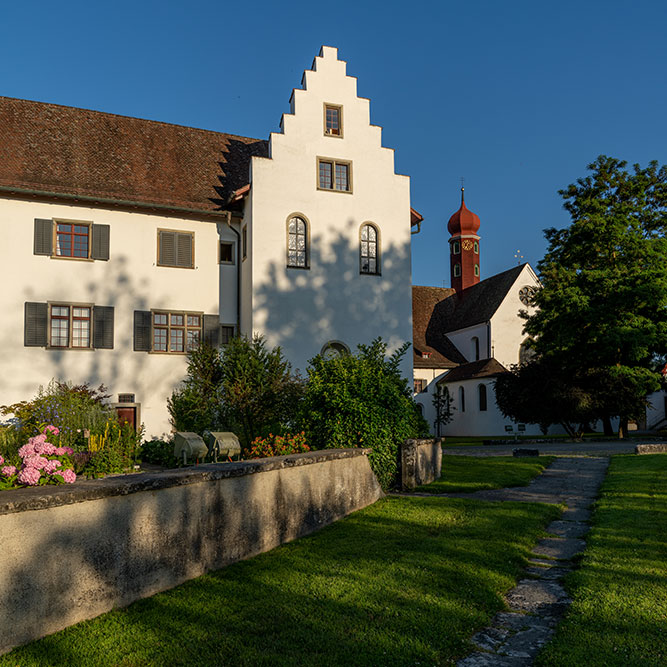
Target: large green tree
x=602 y=309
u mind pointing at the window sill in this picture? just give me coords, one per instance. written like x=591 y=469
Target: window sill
x=174 y=266
x=75 y=259
x=366 y=273
x=345 y=192
x=299 y=268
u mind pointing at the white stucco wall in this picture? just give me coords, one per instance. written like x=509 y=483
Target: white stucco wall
x=299 y=309
x=506 y=325
x=425 y=399
x=463 y=339
x=129 y=281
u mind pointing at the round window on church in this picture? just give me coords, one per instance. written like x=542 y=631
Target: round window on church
x=334 y=349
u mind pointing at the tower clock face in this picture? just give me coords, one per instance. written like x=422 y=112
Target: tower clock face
x=526 y=294
x=467 y=244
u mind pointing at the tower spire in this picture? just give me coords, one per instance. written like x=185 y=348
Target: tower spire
x=464 y=246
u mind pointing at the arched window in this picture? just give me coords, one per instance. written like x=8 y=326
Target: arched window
x=477 y=269
x=475 y=348
x=482 y=397
x=457 y=270
x=456 y=248
x=297 y=243
x=476 y=248
x=369 y=249
x=462 y=399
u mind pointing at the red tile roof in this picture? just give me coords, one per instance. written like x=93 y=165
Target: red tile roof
x=99 y=157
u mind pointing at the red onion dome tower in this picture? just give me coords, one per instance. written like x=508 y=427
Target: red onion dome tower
x=464 y=247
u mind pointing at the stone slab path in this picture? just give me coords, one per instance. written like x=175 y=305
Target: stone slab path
x=537 y=603
x=597 y=448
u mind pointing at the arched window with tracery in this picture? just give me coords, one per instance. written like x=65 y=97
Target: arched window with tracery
x=369 y=249
x=297 y=243
x=482 y=397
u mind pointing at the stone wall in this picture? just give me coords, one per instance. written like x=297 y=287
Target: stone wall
x=421 y=462
x=72 y=553
x=660 y=448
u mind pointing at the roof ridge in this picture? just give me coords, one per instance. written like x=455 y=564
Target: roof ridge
x=137 y=118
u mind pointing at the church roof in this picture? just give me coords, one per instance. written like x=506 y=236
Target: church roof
x=484 y=368
x=434 y=351
x=63 y=152
x=474 y=305
x=464 y=221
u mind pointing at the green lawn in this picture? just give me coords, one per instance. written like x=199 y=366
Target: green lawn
x=619 y=613
x=404 y=582
x=463 y=474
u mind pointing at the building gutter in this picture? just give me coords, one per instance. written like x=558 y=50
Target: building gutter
x=25 y=192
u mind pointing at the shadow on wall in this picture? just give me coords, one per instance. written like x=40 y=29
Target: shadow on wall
x=87 y=558
x=302 y=309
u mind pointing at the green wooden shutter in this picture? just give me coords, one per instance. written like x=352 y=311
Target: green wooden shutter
x=35 y=326
x=142 y=330
x=184 y=250
x=103 y=327
x=100 y=242
x=211 y=332
x=167 y=248
x=43 y=241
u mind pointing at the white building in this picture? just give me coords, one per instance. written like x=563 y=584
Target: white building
x=127 y=240
x=465 y=336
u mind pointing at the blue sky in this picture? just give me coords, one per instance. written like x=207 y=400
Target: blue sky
x=517 y=97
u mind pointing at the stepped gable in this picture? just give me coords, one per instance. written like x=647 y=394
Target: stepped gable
x=474 y=305
x=440 y=350
x=484 y=368
x=103 y=158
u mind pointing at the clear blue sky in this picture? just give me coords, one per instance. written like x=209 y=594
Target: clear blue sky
x=517 y=97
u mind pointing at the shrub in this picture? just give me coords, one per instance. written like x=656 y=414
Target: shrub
x=361 y=400
x=43 y=461
x=160 y=452
x=115 y=451
x=277 y=445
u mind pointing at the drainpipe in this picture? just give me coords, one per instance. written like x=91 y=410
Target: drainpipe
x=238 y=273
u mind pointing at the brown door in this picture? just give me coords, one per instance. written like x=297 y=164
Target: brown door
x=127 y=414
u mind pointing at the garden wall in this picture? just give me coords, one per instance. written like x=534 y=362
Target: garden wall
x=70 y=553
x=421 y=462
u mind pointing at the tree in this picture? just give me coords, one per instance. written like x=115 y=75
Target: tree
x=602 y=309
x=444 y=410
x=361 y=400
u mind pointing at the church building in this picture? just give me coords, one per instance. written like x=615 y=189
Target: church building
x=467 y=335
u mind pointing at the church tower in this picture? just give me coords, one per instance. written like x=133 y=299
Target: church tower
x=464 y=247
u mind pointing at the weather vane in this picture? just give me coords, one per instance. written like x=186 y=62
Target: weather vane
x=518 y=256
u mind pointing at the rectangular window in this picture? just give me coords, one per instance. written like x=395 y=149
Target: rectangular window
x=334 y=175
x=333 y=125
x=70 y=326
x=420 y=386
x=72 y=240
x=176 y=332
x=226 y=252
x=175 y=249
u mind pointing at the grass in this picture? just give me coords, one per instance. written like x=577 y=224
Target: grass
x=619 y=610
x=406 y=581
x=465 y=474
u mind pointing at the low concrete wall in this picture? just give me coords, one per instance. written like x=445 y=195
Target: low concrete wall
x=651 y=449
x=72 y=553
x=421 y=462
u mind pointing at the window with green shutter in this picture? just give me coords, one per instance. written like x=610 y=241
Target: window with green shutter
x=175 y=248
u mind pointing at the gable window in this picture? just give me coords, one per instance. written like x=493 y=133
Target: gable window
x=482 y=397
x=456 y=248
x=334 y=175
x=420 y=386
x=334 y=349
x=175 y=249
x=462 y=399
x=333 y=120
x=297 y=243
x=226 y=252
x=176 y=332
x=457 y=270
x=369 y=256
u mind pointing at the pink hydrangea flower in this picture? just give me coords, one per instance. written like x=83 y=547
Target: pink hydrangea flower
x=52 y=429
x=36 y=461
x=27 y=450
x=69 y=476
x=60 y=451
x=45 y=448
x=51 y=466
x=68 y=450
x=29 y=476
x=1 y=460
x=8 y=471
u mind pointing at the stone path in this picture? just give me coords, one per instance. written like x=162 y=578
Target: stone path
x=537 y=603
x=598 y=448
